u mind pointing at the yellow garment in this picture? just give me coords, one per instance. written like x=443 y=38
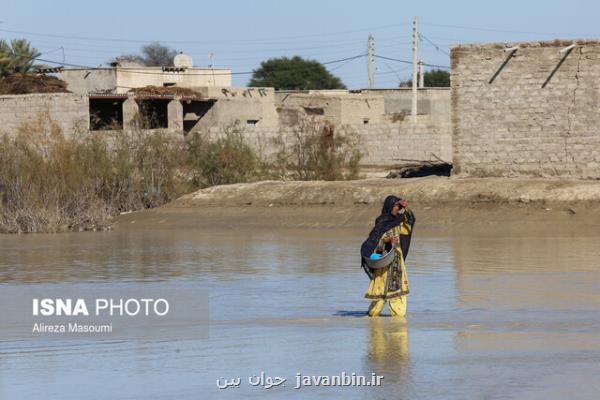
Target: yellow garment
x=397 y=307
x=378 y=287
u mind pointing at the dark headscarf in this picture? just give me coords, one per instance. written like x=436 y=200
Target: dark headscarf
x=383 y=223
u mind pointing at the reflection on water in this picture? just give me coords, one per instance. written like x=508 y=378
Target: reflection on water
x=490 y=316
x=388 y=349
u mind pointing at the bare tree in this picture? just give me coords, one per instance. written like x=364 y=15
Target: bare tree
x=152 y=55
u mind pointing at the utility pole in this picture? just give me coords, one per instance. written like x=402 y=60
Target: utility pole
x=421 y=74
x=211 y=57
x=413 y=110
x=370 y=60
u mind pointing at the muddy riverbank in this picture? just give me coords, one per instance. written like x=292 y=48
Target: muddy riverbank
x=429 y=190
x=446 y=204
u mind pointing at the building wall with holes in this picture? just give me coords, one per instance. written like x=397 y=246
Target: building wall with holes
x=247 y=106
x=267 y=119
x=337 y=107
x=384 y=141
x=533 y=111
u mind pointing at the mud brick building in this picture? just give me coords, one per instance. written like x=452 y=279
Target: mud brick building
x=526 y=109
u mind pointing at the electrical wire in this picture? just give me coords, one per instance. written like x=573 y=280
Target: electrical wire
x=278 y=38
x=505 y=31
x=410 y=62
x=394 y=71
x=134 y=71
x=421 y=36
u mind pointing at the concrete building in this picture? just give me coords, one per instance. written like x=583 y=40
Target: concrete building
x=434 y=102
x=338 y=107
x=244 y=105
x=103 y=100
x=177 y=114
x=124 y=76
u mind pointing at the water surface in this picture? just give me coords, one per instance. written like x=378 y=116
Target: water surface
x=490 y=315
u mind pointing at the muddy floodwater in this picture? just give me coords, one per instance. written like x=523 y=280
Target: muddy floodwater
x=492 y=314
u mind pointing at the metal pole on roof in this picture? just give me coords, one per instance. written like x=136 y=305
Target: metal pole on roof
x=211 y=57
x=413 y=110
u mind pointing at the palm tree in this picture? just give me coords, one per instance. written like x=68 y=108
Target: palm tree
x=18 y=56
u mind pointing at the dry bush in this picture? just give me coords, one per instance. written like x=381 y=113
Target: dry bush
x=53 y=183
x=228 y=158
x=50 y=182
x=318 y=151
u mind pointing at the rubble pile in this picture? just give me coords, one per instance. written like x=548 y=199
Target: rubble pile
x=19 y=83
x=166 y=91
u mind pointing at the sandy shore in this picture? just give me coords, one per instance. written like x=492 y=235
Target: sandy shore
x=440 y=203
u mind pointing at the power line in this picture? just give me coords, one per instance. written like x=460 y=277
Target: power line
x=450 y=40
x=506 y=31
x=333 y=51
x=100 y=39
x=433 y=44
x=134 y=71
x=336 y=45
x=342 y=65
x=410 y=62
x=392 y=59
x=393 y=71
x=307 y=44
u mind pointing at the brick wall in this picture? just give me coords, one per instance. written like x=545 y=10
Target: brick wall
x=70 y=111
x=533 y=114
x=383 y=145
x=404 y=141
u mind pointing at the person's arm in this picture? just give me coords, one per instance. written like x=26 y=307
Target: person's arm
x=389 y=237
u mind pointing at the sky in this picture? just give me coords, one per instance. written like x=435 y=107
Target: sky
x=243 y=33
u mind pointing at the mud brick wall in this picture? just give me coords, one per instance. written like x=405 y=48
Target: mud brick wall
x=383 y=145
x=69 y=111
x=535 y=113
x=429 y=139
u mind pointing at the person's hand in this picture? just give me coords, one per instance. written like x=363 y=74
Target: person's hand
x=392 y=239
x=403 y=203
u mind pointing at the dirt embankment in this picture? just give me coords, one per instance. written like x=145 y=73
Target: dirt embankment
x=513 y=205
x=439 y=191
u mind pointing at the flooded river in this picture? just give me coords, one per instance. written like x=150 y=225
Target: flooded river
x=491 y=315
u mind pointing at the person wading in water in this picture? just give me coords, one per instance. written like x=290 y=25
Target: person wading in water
x=392 y=232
